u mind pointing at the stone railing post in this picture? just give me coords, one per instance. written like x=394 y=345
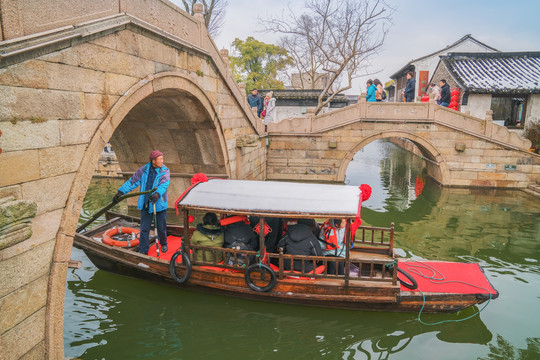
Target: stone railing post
x=310 y=114
x=198 y=14
x=362 y=106
x=488 y=123
x=224 y=53
x=431 y=106
x=242 y=88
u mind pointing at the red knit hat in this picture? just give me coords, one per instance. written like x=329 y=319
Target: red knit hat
x=155 y=154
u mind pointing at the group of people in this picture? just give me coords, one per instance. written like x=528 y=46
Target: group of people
x=441 y=92
x=294 y=237
x=375 y=91
x=266 y=107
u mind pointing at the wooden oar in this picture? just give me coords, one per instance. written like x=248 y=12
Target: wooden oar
x=156 y=231
x=110 y=205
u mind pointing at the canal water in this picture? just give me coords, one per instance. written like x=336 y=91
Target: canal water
x=108 y=316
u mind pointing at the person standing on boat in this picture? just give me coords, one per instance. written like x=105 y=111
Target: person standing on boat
x=332 y=237
x=152 y=175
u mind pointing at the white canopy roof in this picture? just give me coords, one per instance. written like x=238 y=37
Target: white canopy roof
x=273 y=198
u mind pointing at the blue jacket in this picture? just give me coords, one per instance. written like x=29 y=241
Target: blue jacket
x=255 y=101
x=161 y=182
x=371 y=93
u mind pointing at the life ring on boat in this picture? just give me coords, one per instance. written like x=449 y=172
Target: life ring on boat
x=262 y=269
x=121 y=236
x=185 y=266
x=412 y=285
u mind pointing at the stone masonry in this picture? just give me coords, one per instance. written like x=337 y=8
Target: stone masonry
x=142 y=74
x=460 y=150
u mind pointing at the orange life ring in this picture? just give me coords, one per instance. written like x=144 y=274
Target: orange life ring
x=108 y=237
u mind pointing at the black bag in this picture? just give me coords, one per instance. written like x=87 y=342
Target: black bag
x=240 y=258
x=384 y=94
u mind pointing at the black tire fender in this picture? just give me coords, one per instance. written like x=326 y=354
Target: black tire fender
x=172 y=267
x=412 y=284
x=255 y=287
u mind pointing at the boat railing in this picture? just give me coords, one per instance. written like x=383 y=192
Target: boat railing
x=357 y=269
x=354 y=269
x=231 y=258
x=374 y=239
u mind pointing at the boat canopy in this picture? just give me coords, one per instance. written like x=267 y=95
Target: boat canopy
x=273 y=198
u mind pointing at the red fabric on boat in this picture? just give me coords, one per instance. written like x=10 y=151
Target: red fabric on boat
x=459 y=278
x=173 y=244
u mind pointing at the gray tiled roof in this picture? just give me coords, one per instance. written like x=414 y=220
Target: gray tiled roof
x=510 y=72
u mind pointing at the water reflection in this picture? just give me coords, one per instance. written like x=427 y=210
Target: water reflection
x=123 y=317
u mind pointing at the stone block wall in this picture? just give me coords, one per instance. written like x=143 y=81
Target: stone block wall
x=59 y=107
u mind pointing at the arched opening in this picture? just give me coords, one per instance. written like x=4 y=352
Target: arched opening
x=435 y=164
x=400 y=172
x=166 y=111
x=175 y=122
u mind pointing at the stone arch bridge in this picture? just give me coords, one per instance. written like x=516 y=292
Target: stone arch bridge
x=459 y=149
x=144 y=74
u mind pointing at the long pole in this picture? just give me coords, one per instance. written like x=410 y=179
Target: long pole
x=110 y=205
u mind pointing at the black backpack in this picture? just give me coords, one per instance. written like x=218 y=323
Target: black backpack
x=240 y=258
x=384 y=94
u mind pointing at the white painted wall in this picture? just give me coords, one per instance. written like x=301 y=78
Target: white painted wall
x=478 y=104
x=430 y=63
x=533 y=108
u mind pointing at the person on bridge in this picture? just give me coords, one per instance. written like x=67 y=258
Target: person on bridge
x=408 y=93
x=269 y=109
x=255 y=101
x=152 y=175
x=371 y=90
x=445 y=93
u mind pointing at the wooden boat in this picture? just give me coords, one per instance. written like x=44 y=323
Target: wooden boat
x=374 y=278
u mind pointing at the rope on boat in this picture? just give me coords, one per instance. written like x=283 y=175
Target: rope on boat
x=432 y=278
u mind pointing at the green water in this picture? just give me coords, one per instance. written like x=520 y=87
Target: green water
x=113 y=317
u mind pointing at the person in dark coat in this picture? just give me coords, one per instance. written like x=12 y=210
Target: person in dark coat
x=408 y=93
x=445 y=93
x=300 y=240
x=240 y=232
x=255 y=101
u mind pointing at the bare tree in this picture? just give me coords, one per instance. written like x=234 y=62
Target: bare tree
x=213 y=13
x=337 y=37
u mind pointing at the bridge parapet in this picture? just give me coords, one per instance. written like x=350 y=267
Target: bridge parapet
x=392 y=113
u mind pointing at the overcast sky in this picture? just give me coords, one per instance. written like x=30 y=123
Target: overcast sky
x=419 y=27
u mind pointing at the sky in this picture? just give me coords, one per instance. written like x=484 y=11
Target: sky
x=418 y=28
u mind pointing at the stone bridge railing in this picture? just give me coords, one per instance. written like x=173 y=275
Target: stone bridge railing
x=392 y=113
x=30 y=30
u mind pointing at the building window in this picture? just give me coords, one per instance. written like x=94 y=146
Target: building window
x=508 y=110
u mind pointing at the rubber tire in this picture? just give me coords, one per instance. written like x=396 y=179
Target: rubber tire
x=412 y=285
x=172 y=268
x=250 y=283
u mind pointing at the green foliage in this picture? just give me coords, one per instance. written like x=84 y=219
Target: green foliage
x=532 y=132
x=199 y=72
x=258 y=64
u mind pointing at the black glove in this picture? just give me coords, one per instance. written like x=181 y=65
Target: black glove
x=154 y=197
x=117 y=196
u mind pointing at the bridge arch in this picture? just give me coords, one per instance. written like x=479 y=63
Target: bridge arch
x=168 y=111
x=435 y=163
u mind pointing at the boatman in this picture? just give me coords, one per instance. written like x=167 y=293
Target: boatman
x=152 y=175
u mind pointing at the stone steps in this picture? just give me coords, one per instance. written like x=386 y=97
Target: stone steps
x=533 y=189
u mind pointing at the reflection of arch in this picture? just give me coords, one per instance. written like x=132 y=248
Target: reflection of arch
x=166 y=85
x=435 y=162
